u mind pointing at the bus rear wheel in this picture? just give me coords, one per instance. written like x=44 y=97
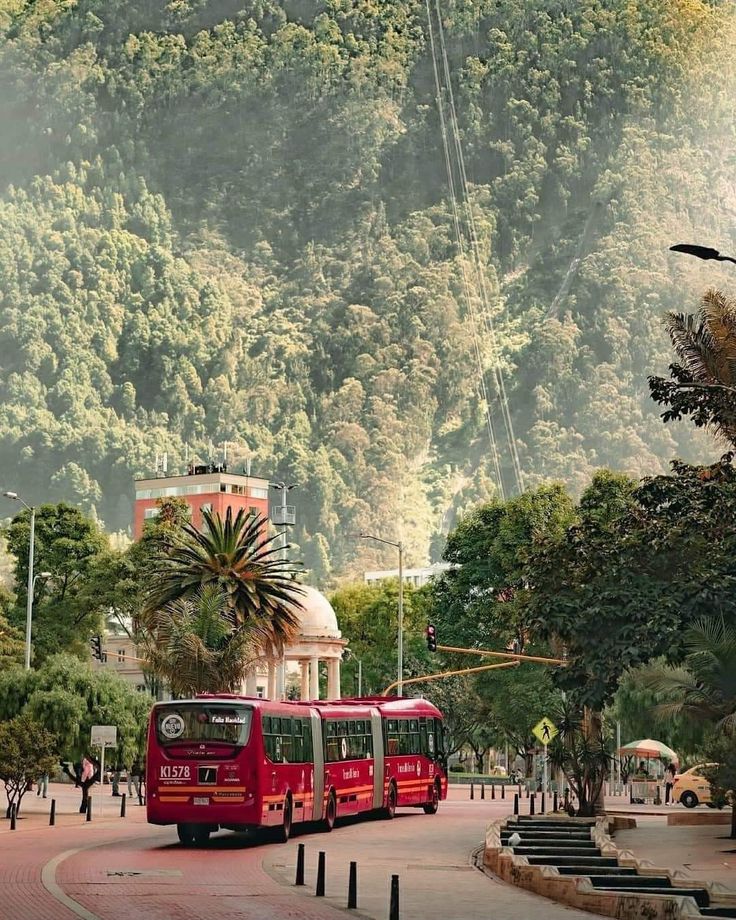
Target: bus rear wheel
x=185 y=832
x=430 y=808
x=390 y=810
x=201 y=835
x=283 y=832
x=330 y=813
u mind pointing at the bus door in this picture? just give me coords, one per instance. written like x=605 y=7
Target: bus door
x=318 y=783
x=379 y=759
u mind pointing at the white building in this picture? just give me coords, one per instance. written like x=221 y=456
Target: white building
x=415 y=577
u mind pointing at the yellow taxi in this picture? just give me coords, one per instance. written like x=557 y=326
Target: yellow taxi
x=691 y=788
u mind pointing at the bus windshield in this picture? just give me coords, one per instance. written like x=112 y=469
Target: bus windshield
x=198 y=722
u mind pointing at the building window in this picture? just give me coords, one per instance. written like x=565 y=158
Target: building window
x=223 y=487
x=259 y=493
x=150 y=513
x=253 y=510
x=121 y=655
x=260 y=692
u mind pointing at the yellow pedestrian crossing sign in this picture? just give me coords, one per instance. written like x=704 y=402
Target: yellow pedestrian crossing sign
x=545 y=730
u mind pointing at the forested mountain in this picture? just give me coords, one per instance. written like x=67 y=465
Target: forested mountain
x=228 y=220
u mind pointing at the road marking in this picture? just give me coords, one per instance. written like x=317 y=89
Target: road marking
x=48 y=878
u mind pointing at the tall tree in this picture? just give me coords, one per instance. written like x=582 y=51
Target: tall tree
x=235 y=557
x=191 y=645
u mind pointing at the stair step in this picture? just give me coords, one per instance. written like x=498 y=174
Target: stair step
x=699 y=894
x=554 y=822
x=576 y=860
x=719 y=913
x=555 y=833
x=597 y=870
x=522 y=850
x=546 y=842
x=638 y=881
x=551 y=825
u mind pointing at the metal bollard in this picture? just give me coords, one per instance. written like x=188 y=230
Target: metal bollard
x=567 y=798
x=353 y=886
x=52 y=813
x=527 y=792
x=516 y=803
x=482 y=790
x=554 y=801
x=122 y=805
x=320 y=893
x=393 y=911
x=89 y=807
x=503 y=790
x=13 y=814
x=299 y=865
x=472 y=791
x=531 y=804
x=543 y=809
x=519 y=790
x=631 y=794
x=493 y=791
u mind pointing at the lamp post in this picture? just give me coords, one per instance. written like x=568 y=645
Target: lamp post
x=282 y=515
x=31 y=582
x=349 y=653
x=400 y=547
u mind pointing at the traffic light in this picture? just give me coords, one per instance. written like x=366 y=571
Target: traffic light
x=431 y=637
x=96 y=646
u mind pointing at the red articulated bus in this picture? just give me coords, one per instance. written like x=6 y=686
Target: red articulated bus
x=241 y=763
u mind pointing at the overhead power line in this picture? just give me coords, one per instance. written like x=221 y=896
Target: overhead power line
x=486 y=317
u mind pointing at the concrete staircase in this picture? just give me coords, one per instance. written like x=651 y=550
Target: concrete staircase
x=569 y=847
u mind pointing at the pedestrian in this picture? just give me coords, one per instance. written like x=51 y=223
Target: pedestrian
x=42 y=786
x=116 y=776
x=669 y=783
x=87 y=776
x=134 y=778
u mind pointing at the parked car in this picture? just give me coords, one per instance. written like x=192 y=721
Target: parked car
x=691 y=788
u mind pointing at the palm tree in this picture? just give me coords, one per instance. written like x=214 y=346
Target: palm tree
x=703 y=689
x=190 y=644
x=233 y=555
x=703 y=384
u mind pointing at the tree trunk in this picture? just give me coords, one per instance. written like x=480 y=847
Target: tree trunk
x=593 y=730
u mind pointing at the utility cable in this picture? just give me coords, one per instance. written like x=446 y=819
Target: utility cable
x=461 y=249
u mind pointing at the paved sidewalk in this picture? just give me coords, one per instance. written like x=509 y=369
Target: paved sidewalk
x=702 y=852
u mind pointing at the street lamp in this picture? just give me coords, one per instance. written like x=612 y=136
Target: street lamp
x=400 y=547
x=349 y=653
x=31 y=582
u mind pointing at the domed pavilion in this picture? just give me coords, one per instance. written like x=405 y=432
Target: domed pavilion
x=319 y=639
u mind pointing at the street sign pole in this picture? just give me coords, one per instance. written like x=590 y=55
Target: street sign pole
x=544 y=780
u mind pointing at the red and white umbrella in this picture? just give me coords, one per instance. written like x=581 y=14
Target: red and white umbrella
x=650 y=749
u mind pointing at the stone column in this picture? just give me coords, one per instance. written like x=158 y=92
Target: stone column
x=251 y=682
x=333 y=679
x=271 y=691
x=314 y=678
x=304 y=665
x=281 y=679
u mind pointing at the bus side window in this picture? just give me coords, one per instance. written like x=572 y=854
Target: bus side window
x=308 y=753
x=423 y=747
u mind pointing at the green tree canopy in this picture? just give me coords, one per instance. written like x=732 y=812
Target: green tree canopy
x=67 y=697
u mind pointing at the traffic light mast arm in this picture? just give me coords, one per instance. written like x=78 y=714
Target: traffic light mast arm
x=441 y=674
x=511 y=655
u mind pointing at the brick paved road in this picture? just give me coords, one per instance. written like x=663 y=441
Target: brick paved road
x=122 y=869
